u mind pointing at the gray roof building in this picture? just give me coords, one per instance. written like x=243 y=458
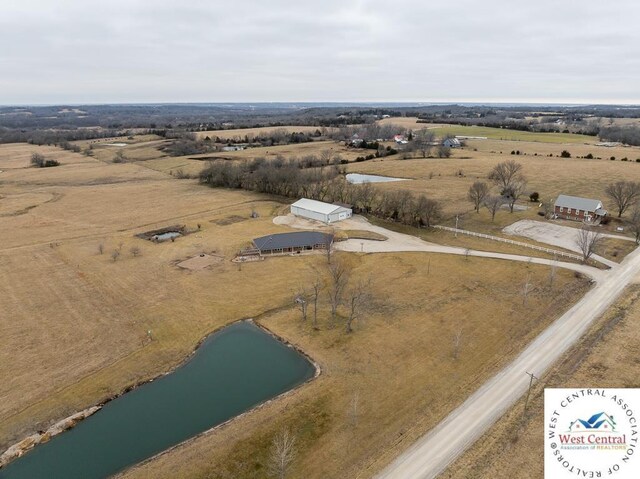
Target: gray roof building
x=577 y=203
x=295 y=241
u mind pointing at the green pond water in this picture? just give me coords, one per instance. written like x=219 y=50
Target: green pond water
x=233 y=370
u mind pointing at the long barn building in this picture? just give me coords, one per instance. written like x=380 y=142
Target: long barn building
x=320 y=211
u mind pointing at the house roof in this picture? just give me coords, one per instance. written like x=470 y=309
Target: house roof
x=586 y=204
x=317 y=206
x=298 y=239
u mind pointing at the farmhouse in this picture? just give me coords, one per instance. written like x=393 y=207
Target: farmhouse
x=451 y=143
x=320 y=211
x=579 y=209
x=295 y=242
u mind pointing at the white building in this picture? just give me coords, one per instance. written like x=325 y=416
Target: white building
x=452 y=143
x=320 y=211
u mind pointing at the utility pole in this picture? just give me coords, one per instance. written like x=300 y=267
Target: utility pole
x=526 y=402
x=456 y=233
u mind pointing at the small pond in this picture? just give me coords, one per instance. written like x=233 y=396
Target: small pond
x=232 y=371
x=359 y=178
x=166 y=236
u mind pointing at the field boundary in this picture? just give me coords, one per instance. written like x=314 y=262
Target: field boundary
x=508 y=241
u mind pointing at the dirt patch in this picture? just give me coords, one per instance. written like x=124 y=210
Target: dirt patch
x=229 y=220
x=201 y=261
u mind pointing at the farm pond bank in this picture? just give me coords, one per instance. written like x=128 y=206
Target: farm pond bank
x=232 y=371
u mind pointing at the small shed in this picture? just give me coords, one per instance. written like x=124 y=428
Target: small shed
x=451 y=143
x=296 y=242
x=320 y=211
x=579 y=209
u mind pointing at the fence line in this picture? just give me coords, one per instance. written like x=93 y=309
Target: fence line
x=508 y=241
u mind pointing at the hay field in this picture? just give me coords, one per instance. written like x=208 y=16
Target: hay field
x=239 y=134
x=398 y=364
x=607 y=358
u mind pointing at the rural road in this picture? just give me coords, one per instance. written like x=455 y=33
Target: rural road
x=431 y=454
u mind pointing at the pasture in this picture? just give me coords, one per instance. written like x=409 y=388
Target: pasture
x=89 y=318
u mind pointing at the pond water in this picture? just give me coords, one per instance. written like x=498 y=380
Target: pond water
x=232 y=371
x=166 y=236
x=359 y=178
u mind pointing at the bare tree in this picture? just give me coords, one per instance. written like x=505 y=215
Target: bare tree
x=115 y=254
x=624 y=194
x=281 y=454
x=457 y=343
x=634 y=224
x=587 y=240
x=317 y=286
x=427 y=211
x=493 y=204
x=548 y=208
x=358 y=300
x=37 y=159
x=477 y=193
x=100 y=248
x=513 y=192
x=506 y=173
x=423 y=141
x=329 y=250
x=339 y=276
x=135 y=251
x=443 y=151
x=302 y=303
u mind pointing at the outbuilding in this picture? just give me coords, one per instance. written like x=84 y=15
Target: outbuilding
x=579 y=209
x=320 y=211
x=295 y=242
x=451 y=143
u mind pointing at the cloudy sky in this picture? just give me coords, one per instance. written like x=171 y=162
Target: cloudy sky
x=90 y=51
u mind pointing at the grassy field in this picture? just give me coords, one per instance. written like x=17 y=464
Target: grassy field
x=490 y=133
x=606 y=357
x=78 y=329
x=398 y=363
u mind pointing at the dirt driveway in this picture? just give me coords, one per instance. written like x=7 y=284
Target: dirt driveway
x=554 y=234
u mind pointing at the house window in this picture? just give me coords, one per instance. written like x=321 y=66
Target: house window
x=561 y=209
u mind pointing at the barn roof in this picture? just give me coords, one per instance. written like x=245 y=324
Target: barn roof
x=575 y=202
x=298 y=239
x=317 y=206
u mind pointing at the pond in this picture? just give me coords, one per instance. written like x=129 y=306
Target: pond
x=166 y=236
x=232 y=371
x=359 y=178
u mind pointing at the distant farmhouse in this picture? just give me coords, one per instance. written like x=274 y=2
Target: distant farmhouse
x=296 y=242
x=320 y=211
x=400 y=139
x=579 y=209
x=451 y=143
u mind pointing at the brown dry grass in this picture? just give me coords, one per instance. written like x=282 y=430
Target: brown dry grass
x=77 y=332
x=606 y=357
x=398 y=362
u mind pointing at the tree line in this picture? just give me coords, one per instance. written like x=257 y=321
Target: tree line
x=323 y=184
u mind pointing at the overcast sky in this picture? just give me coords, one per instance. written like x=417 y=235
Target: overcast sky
x=108 y=51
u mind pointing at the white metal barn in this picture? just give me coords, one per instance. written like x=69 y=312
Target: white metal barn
x=320 y=211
